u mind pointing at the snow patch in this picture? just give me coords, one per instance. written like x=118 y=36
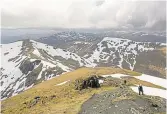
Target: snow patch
x=152 y=91
x=62 y=83
x=115 y=75
x=152 y=79
x=101 y=81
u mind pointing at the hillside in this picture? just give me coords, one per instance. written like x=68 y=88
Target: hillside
x=33 y=62
x=58 y=95
x=123 y=49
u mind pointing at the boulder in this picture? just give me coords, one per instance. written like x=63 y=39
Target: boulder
x=91 y=82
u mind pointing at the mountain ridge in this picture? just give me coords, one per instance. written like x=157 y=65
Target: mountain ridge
x=32 y=62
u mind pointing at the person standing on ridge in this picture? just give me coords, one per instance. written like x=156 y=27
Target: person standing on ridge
x=140 y=89
x=125 y=82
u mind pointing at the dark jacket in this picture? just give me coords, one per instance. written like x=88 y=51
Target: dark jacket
x=140 y=88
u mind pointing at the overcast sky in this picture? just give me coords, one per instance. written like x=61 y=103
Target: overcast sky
x=83 y=14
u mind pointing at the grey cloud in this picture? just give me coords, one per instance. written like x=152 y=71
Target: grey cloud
x=84 y=14
x=149 y=15
x=99 y=2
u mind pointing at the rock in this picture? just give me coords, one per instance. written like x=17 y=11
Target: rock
x=37 y=97
x=27 y=66
x=39 y=100
x=114 y=82
x=52 y=97
x=154 y=105
x=116 y=106
x=92 y=82
x=6 y=53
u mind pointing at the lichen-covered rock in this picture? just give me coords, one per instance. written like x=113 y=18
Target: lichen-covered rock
x=114 y=82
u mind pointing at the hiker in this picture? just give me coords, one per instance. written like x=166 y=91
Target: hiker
x=140 y=89
x=125 y=82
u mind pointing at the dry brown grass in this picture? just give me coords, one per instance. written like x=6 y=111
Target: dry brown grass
x=163 y=50
x=67 y=99
x=158 y=69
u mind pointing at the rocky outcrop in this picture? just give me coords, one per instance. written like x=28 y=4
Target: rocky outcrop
x=27 y=66
x=114 y=82
x=38 y=100
x=32 y=76
x=91 y=81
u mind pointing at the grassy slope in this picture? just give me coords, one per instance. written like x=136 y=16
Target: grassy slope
x=163 y=50
x=67 y=99
x=161 y=70
x=155 y=65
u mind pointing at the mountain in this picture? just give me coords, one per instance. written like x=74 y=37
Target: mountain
x=129 y=54
x=28 y=62
x=88 y=36
x=116 y=48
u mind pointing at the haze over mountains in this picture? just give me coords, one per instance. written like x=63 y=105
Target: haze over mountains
x=9 y=35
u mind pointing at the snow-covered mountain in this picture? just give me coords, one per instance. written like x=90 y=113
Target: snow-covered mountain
x=120 y=52
x=69 y=36
x=26 y=63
